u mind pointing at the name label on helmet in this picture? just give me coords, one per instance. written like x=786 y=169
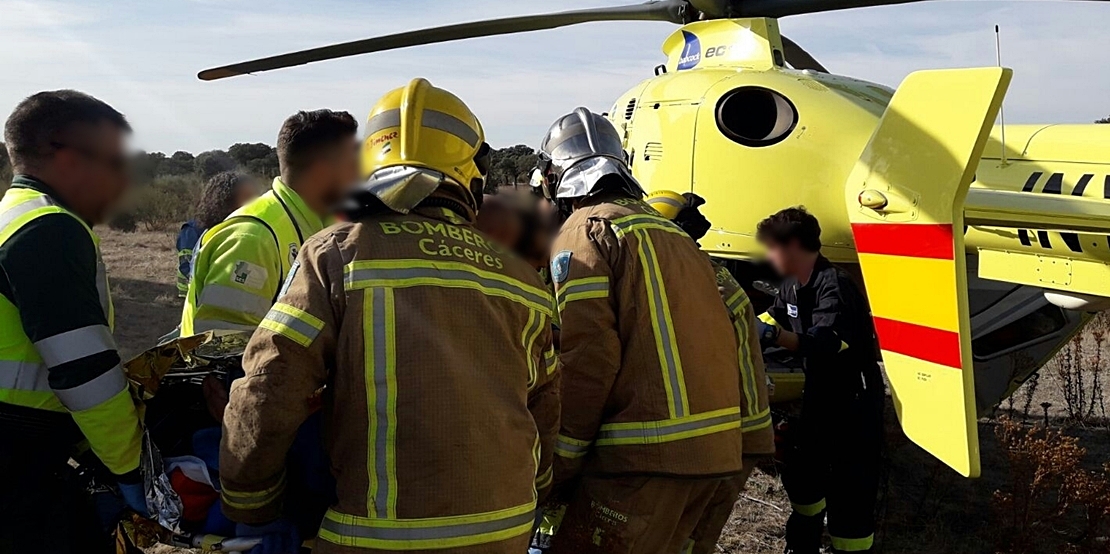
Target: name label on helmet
x=384 y=138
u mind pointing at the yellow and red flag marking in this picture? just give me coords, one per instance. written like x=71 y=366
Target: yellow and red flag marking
x=925 y=325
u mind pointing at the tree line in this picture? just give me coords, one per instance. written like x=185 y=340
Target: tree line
x=168 y=186
x=508 y=166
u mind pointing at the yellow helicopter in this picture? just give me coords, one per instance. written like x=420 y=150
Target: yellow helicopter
x=983 y=248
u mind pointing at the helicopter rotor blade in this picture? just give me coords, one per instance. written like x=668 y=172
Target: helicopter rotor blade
x=674 y=11
x=783 y=8
x=798 y=58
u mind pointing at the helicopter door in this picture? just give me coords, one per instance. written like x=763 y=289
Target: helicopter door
x=663 y=164
x=667 y=107
x=905 y=202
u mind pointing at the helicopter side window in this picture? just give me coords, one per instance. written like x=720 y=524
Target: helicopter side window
x=756 y=116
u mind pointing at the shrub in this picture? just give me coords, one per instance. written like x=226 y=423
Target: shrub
x=124 y=222
x=165 y=203
x=1048 y=487
x=1079 y=366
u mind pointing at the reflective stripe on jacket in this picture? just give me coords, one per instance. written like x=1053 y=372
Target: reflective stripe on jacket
x=649 y=352
x=241 y=263
x=755 y=410
x=442 y=400
x=99 y=402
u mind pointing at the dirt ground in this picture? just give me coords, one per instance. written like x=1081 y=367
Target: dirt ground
x=142 y=271
x=924 y=506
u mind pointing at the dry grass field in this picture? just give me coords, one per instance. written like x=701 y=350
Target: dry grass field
x=142 y=270
x=924 y=507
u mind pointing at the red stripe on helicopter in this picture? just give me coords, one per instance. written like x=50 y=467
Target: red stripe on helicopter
x=916 y=240
x=918 y=341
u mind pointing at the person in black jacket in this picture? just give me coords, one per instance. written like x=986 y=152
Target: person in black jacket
x=833 y=453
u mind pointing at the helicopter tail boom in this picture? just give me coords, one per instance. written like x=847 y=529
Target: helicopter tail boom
x=905 y=201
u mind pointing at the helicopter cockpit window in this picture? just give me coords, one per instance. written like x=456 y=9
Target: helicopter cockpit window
x=756 y=116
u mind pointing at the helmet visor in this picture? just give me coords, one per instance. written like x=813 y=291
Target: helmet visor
x=571 y=149
x=581 y=178
x=401 y=188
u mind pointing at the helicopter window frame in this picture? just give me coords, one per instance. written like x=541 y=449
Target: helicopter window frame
x=779 y=130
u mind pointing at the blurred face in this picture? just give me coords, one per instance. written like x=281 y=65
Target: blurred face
x=90 y=169
x=546 y=231
x=343 y=171
x=787 y=259
x=245 y=192
x=331 y=177
x=499 y=222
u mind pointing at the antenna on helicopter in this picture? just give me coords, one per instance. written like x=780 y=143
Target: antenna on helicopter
x=1001 y=114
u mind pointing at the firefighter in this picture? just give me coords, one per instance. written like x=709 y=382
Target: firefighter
x=832 y=459
x=60 y=377
x=442 y=402
x=759 y=437
x=652 y=422
x=241 y=263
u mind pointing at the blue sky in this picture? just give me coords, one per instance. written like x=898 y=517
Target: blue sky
x=143 y=56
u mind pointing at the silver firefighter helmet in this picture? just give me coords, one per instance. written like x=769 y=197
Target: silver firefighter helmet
x=579 y=150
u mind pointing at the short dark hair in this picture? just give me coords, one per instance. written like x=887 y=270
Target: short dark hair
x=217 y=198
x=789 y=225
x=305 y=134
x=41 y=121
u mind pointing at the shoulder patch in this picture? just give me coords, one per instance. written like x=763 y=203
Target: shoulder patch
x=560 y=266
x=249 y=275
x=289 y=278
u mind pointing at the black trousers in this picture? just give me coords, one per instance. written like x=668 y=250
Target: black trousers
x=831 y=470
x=43 y=506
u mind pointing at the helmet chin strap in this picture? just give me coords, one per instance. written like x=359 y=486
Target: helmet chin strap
x=447 y=203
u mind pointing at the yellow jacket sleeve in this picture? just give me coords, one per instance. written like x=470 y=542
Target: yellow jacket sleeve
x=589 y=341
x=237 y=277
x=286 y=362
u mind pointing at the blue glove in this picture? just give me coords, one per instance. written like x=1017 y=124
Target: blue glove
x=768 y=334
x=278 y=537
x=135 y=496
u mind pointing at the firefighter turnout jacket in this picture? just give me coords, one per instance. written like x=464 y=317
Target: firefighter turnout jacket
x=58 y=361
x=755 y=408
x=649 y=355
x=241 y=263
x=441 y=406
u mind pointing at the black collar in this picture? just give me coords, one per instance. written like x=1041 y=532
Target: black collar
x=822 y=263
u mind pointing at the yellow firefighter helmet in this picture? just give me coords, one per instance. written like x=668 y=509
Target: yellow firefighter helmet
x=667 y=202
x=418 y=138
